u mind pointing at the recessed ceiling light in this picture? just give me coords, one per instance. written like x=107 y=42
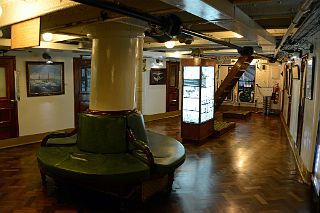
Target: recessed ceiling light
x=0 y=10
x=169 y=44
x=47 y=36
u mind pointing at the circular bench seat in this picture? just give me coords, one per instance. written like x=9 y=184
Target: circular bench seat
x=71 y=163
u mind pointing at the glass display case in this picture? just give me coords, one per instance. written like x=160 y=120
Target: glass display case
x=198 y=98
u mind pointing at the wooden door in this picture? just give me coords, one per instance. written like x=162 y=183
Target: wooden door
x=82 y=76
x=172 y=86
x=8 y=105
x=301 y=101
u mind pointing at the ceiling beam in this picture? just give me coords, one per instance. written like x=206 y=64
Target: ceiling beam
x=226 y=15
x=17 y=11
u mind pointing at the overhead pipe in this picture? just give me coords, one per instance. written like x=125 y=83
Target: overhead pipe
x=118 y=8
x=302 y=10
x=160 y=22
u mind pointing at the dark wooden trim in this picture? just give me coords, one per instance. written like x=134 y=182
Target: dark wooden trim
x=198 y=62
x=116 y=113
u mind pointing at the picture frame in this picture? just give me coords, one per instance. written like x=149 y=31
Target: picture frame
x=45 y=79
x=295 y=72
x=158 y=76
x=310 y=78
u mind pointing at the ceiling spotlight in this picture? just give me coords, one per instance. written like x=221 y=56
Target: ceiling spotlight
x=47 y=36
x=236 y=35
x=169 y=44
x=0 y=10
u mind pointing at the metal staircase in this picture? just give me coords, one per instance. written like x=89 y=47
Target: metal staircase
x=231 y=80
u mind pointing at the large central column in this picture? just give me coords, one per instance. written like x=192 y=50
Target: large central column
x=116 y=54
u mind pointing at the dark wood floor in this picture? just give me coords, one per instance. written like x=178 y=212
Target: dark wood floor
x=249 y=169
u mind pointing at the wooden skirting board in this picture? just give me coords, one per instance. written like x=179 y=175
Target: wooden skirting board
x=304 y=173
x=161 y=115
x=24 y=140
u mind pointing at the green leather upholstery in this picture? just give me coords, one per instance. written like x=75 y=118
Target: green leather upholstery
x=72 y=140
x=71 y=163
x=136 y=123
x=98 y=154
x=102 y=134
x=168 y=153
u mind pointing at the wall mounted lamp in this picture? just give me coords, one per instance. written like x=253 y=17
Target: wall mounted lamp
x=47 y=57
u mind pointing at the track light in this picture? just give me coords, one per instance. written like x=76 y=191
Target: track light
x=47 y=57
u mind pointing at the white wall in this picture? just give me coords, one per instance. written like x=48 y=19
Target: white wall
x=311 y=114
x=294 y=108
x=44 y=113
x=154 y=96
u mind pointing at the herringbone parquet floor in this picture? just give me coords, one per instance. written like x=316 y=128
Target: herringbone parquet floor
x=249 y=169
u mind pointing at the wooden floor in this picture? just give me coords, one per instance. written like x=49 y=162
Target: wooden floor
x=249 y=169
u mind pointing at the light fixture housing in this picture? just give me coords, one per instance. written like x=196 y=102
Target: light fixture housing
x=47 y=37
x=169 y=44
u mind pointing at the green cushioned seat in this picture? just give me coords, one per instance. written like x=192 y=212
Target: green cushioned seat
x=102 y=134
x=168 y=153
x=71 y=163
x=72 y=140
x=136 y=123
x=99 y=154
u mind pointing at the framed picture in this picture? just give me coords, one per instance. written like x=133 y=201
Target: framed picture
x=295 y=72
x=45 y=79
x=309 y=77
x=158 y=76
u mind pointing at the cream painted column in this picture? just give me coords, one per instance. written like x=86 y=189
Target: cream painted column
x=116 y=57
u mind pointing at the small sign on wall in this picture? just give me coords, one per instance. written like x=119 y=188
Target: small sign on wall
x=25 y=34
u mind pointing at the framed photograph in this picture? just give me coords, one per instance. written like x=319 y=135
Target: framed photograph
x=158 y=76
x=45 y=79
x=295 y=72
x=309 y=78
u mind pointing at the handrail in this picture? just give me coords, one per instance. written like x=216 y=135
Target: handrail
x=57 y=135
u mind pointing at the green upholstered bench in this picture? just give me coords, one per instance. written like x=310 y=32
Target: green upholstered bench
x=108 y=151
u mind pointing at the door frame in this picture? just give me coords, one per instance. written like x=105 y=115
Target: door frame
x=12 y=93
x=77 y=63
x=177 y=81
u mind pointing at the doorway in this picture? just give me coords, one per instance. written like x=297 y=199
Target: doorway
x=81 y=77
x=302 y=76
x=8 y=105
x=172 y=102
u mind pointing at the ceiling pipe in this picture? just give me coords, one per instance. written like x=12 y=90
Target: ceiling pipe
x=302 y=10
x=160 y=22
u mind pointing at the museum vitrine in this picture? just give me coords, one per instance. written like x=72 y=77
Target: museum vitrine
x=198 y=98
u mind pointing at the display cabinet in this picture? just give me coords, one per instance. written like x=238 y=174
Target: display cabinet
x=198 y=99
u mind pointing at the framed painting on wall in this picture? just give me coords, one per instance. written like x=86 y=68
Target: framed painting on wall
x=309 y=78
x=45 y=79
x=157 y=76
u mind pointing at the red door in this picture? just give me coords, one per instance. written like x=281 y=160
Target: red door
x=8 y=105
x=172 y=86
x=82 y=76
